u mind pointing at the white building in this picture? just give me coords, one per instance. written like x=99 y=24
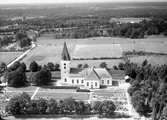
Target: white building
x=87 y=77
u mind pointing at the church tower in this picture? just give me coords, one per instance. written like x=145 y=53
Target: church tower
x=65 y=65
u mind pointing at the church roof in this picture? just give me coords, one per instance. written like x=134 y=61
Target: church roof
x=102 y=73
x=65 y=54
x=98 y=72
x=92 y=75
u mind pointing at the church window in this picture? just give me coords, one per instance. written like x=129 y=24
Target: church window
x=87 y=83
x=64 y=65
x=95 y=83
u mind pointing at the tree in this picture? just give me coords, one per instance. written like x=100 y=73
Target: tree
x=18 y=104
x=16 y=79
x=108 y=108
x=96 y=106
x=115 y=67
x=41 y=77
x=52 y=107
x=165 y=112
x=33 y=66
x=41 y=106
x=50 y=66
x=57 y=67
x=145 y=62
x=69 y=104
x=121 y=66
x=23 y=65
x=85 y=65
x=3 y=67
x=103 y=65
x=79 y=65
x=165 y=33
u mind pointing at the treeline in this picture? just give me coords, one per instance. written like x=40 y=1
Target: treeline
x=16 y=76
x=100 y=27
x=23 y=105
x=148 y=89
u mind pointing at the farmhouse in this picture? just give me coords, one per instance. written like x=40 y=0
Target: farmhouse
x=87 y=77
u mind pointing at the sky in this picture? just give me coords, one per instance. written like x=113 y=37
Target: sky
x=72 y=1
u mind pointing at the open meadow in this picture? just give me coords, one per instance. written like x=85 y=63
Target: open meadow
x=154 y=60
x=8 y=57
x=98 y=51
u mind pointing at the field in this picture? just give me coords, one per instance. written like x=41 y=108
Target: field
x=7 y=57
x=126 y=20
x=50 y=49
x=98 y=50
x=154 y=60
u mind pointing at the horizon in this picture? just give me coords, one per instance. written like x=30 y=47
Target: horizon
x=74 y=1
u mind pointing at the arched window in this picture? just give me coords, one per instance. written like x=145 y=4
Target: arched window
x=77 y=81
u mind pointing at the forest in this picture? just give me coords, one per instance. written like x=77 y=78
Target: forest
x=148 y=89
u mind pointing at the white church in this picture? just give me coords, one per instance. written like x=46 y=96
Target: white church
x=87 y=77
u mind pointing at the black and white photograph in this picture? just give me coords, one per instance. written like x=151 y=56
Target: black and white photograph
x=83 y=59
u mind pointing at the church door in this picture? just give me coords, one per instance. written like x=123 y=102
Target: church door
x=91 y=84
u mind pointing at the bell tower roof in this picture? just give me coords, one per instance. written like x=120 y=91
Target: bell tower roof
x=65 y=55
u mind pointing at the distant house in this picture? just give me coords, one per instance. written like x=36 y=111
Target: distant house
x=87 y=77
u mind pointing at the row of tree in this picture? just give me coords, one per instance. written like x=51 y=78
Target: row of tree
x=23 y=105
x=144 y=28
x=16 y=76
x=148 y=89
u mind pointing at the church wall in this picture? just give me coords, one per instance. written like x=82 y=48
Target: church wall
x=106 y=81
x=65 y=69
x=92 y=84
x=79 y=81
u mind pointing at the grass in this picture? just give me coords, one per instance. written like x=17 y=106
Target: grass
x=98 y=50
x=154 y=60
x=147 y=47
x=62 y=96
x=44 y=54
x=7 y=57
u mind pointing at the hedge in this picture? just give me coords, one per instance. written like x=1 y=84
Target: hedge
x=82 y=90
x=59 y=87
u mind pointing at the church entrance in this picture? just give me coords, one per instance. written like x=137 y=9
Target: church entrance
x=91 y=84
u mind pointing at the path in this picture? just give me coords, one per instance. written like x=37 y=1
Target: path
x=22 y=55
x=35 y=93
x=90 y=96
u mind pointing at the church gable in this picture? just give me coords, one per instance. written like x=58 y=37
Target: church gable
x=92 y=76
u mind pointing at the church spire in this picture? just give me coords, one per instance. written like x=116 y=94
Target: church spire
x=65 y=54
